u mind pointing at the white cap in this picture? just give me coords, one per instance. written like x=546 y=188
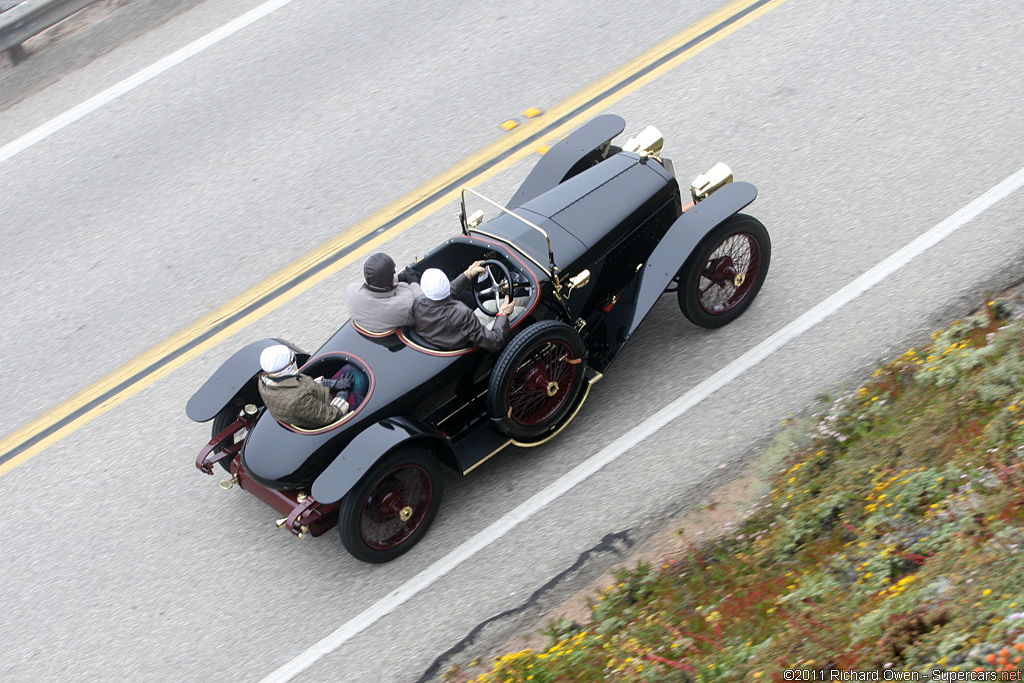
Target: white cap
x=276 y=358
x=435 y=284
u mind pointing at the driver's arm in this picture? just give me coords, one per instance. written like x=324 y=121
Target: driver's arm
x=459 y=285
x=489 y=339
x=465 y=278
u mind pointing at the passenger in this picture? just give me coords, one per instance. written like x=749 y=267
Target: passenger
x=442 y=319
x=384 y=301
x=298 y=399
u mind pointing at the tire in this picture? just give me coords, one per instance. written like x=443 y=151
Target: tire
x=725 y=273
x=392 y=506
x=537 y=380
x=225 y=417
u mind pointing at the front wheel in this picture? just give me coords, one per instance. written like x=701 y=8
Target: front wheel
x=537 y=380
x=725 y=273
x=392 y=506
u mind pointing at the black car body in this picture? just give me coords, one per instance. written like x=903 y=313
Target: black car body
x=592 y=239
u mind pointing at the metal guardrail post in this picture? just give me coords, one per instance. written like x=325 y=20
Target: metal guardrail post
x=31 y=17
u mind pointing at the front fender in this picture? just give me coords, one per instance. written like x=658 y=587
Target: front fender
x=367 y=448
x=682 y=238
x=568 y=155
x=233 y=380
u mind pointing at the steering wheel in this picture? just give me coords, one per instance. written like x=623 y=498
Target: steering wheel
x=493 y=285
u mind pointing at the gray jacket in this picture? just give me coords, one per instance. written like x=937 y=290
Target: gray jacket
x=382 y=311
x=451 y=324
x=299 y=401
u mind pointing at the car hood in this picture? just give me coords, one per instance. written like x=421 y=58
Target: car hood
x=579 y=213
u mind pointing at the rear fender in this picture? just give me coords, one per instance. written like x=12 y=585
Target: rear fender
x=681 y=240
x=570 y=156
x=372 y=444
x=234 y=381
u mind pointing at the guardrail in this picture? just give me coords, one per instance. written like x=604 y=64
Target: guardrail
x=29 y=18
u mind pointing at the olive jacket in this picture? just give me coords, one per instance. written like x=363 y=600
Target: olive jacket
x=299 y=401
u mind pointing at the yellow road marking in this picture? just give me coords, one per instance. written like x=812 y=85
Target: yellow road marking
x=583 y=103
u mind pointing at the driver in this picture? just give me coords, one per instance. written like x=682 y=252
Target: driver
x=298 y=399
x=442 y=319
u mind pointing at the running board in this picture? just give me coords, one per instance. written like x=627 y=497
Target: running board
x=479 y=446
x=487 y=441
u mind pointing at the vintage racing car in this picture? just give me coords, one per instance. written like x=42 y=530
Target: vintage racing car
x=590 y=241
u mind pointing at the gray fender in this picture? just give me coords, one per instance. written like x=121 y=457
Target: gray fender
x=234 y=379
x=682 y=238
x=554 y=167
x=371 y=445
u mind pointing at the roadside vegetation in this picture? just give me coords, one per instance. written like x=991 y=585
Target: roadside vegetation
x=891 y=539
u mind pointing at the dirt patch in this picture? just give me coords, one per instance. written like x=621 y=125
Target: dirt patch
x=725 y=507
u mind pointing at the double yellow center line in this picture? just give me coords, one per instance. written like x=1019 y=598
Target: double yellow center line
x=370 y=233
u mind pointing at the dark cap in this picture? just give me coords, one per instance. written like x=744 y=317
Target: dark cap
x=379 y=273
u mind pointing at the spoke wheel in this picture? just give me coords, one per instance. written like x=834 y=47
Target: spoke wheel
x=224 y=418
x=536 y=380
x=725 y=273
x=392 y=506
x=540 y=386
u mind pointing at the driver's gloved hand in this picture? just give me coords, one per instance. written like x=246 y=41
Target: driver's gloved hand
x=408 y=275
x=343 y=383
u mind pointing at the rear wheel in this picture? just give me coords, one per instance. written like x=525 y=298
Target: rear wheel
x=725 y=273
x=392 y=506
x=537 y=380
x=225 y=417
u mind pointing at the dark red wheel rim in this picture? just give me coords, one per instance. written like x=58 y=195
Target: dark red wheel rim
x=396 y=507
x=729 y=274
x=541 y=384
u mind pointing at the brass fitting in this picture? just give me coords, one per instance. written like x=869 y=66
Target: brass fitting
x=715 y=178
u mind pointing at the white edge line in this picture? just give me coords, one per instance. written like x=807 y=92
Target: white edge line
x=672 y=411
x=60 y=122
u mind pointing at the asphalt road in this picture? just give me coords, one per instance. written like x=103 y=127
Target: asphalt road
x=863 y=124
